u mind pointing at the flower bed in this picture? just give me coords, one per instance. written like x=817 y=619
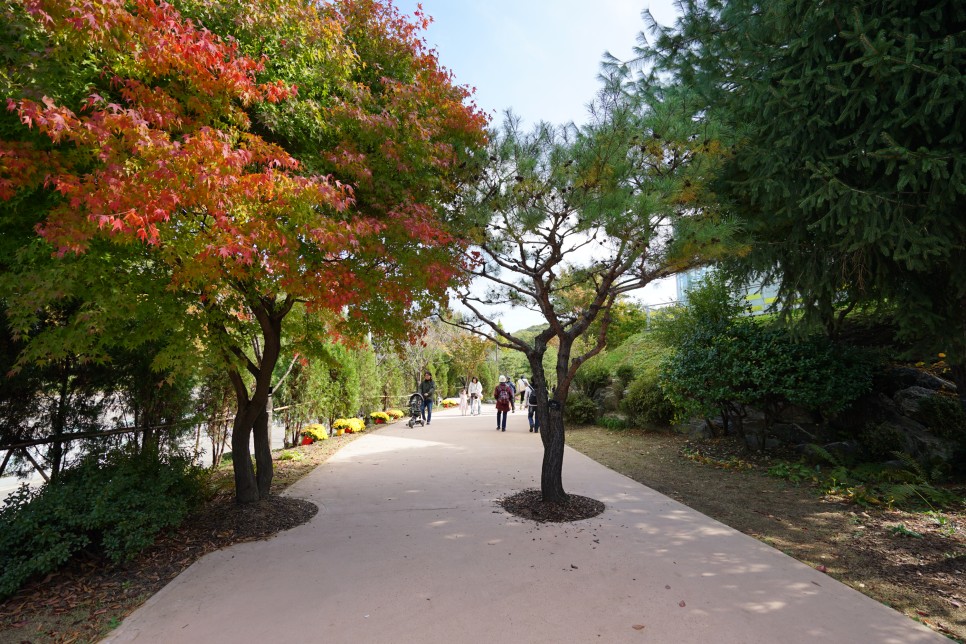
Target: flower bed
x=314 y=432
x=395 y=414
x=450 y=402
x=348 y=425
x=379 y=417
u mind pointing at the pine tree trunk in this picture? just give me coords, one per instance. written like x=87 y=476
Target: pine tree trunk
x=550 y=413
x=551 y=477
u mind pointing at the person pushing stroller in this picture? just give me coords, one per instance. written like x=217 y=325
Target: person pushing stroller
x=427 y=388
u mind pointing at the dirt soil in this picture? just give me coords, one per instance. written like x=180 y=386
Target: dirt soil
x=913 y=562
x=90 y=596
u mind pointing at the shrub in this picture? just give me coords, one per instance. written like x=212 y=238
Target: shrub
x=645 y=403
x=625 y=374
x=395 y=414
x=718 y=370
x=116 y=504
x=290 y=455
x=591 y=379
x=945 y=417
x=881 y=441
x=611 y=421
x=580 y=409
x=316 y=432
x=349 y=425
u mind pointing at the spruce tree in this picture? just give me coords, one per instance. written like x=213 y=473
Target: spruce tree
x=850 y=173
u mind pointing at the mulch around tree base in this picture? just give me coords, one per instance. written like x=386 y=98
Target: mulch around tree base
x=529 y=504
x=259 y=521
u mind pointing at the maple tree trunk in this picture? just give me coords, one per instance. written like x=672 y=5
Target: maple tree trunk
x=254 y=483
x=264 y=471
x=60 y=421
x=246 y=488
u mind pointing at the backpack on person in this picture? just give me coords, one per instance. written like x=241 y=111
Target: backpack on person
x=532 y=398
x=503 y=394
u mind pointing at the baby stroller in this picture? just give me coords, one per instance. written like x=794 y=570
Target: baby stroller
x=416 y=410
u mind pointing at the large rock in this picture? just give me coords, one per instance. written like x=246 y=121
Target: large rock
x=844 y=452
x=908 y=399
x=698 y=429
x=794 y=433
x=873 y=407
x=608 y=399
x=796 y=415
x=900 y=378
x=918 y=442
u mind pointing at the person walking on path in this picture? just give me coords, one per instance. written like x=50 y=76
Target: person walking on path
x=513 y=392
x=522 y=389
x=428 y=390
x=476 y=395
x=464 y=401
x=504 y=402
x=532 y=417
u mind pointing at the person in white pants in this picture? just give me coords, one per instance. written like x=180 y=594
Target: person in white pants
x=476 y=396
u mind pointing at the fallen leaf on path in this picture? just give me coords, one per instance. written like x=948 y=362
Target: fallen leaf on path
x=638 y=627
x=682 y=604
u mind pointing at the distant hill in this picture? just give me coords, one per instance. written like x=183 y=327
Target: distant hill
x=530 y=332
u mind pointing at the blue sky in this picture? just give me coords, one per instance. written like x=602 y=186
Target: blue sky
x=539 y=57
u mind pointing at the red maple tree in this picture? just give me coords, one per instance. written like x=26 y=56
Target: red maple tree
x=189 y=142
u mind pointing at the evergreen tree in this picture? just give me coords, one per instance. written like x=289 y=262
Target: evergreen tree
x=570 y=219
x=850 y=173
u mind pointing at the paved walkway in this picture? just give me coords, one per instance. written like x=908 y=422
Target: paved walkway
x=409 y=546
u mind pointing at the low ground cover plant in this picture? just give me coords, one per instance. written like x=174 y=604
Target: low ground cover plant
x=902 y=484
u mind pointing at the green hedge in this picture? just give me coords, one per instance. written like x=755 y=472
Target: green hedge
x=746 y=363
x=115 y=505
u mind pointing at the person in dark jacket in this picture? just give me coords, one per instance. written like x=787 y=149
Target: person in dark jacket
x=428 y=390
x=532 y=417
x=504 y=402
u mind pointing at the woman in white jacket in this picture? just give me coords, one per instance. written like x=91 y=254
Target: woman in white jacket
x=476 y=395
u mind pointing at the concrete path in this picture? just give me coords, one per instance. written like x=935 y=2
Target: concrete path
x=410 y=546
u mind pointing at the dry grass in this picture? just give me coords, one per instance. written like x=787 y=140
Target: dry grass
x=914 y=562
